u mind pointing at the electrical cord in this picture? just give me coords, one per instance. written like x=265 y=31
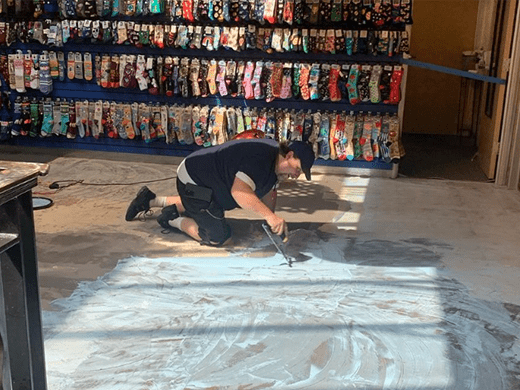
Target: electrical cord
x=57 y=186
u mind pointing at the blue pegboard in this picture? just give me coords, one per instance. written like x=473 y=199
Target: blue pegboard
x=82 y=89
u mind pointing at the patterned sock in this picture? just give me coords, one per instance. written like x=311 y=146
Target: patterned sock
x=71 y=128
x=304 y=81
x=79 y=124
x=323 y=138
x=384 y=85
x=352 y=84
x=97 y=118
x=313 y=82
x=212 y=72
x=375 y=76
x=363 y=83
x=286 y=92
x=366 y=139
x=395 y=85
x=45 y=75
x=256 y=81
x=221 y=78
x=248 y=74
x=335 y=93
x=358 y=133
x=349 y=136
x=376 y=134
x=64 y=113
x=46 y=129
x=276 y=79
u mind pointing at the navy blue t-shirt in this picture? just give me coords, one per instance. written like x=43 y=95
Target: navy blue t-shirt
x=216 y=167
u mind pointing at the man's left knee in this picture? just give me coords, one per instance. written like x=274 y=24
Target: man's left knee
x=217 y=238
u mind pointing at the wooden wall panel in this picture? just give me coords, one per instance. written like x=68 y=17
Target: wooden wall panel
x=442 y=30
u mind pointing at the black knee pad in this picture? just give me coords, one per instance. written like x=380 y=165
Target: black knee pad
x=217 y=236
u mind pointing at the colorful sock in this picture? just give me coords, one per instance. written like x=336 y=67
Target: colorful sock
x=35 y=72
x=276 y=79
x=71 y=128
x=323 y=82
x=61 y=65
x=366 y=139
x=117 y=117
x=270 y=11
x=348 y=137
x=363 y=83
x=19 y=72
x=395 y=85
x=54 y=65
x=376 y=135
x=45 y=75
x=384 y=85
x=313 y=82
x=194 y=77
x=248 y=74
x=335 y=93
x=93 y=130
x=35 y=119
x=221 y=78
x=71 y=63
x=304 y=81
x=46 y=129
x=88 y=67
x=56 y=118
x=404 y=43
x=231 y=82
x=358 y=133
x=212 y=73
x=64 y=117
x=80 y=127
x=323 y=137
x=286 y=92
x=352 y=84
x=341 y=150
x=256 y=81
x=114 y=72
x=375 y=76
x=394 y=140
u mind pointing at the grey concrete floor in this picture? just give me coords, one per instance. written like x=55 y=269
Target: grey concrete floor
x=416 y=252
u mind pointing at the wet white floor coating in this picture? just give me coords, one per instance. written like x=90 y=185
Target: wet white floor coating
x=251 y=323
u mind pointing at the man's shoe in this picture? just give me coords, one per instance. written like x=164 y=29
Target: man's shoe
x=141 y=203
x=168 y=213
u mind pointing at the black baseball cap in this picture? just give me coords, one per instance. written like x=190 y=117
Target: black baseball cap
x=303 y=150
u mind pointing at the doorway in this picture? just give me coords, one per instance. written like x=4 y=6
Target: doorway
x=444 y=139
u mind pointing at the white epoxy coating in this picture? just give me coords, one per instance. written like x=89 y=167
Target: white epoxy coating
x=248 y=323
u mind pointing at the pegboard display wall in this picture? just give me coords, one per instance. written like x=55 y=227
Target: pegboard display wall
x=168 y=77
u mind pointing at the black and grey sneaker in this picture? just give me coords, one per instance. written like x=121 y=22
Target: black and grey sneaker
x=168 y=213
x=140 y=204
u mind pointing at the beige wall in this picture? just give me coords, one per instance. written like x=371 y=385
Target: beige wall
x=442 y=30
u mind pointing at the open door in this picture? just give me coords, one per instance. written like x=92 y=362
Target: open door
x=496 y=24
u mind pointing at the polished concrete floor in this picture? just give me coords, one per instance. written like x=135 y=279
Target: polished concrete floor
x=445 y=157
x=399 y=284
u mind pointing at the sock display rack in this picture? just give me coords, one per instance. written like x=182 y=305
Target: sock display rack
x=171 y=76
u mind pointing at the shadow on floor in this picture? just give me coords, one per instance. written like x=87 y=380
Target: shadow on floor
x=440 y=157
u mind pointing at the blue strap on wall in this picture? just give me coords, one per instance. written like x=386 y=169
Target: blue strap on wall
x=453 y=71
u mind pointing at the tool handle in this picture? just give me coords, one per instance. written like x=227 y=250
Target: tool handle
x=283 y=236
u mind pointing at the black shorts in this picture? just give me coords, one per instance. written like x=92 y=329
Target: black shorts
x=213 y=228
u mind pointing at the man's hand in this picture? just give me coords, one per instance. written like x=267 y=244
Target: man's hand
x=278 y=225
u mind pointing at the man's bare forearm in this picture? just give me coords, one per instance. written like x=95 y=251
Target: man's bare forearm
x=270 y=200
x=247 y=199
